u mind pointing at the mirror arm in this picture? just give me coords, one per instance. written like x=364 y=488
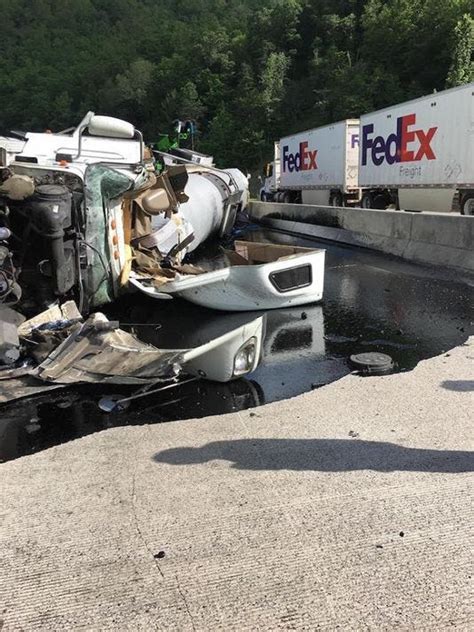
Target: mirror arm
x=142 y=150
x=84 y=123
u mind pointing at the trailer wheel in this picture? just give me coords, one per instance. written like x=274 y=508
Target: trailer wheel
x=380 y=201
x=285 y=197
x=467 y=206
x=335 y=199
x=367 y=201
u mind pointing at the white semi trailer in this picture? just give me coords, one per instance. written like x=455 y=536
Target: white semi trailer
x=318 y=166
x=419 y=155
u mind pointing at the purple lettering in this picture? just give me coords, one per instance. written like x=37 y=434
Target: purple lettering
x=378 y=151
x=392 y=149
x=366 y=141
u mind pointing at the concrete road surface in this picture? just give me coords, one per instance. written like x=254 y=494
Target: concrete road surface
x=346 y=508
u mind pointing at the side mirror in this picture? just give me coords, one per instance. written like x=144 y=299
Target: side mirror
x=110 y=127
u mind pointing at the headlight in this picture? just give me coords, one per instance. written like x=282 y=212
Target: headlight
x=245 y=357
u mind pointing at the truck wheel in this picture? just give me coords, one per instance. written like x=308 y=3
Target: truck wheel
x=335 y=199
x=263 y=196
x=285 y=197
x=467 y=206
x=380 y=201
x=367 y=201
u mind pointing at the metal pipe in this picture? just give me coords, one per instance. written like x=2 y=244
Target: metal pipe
x=156 y=390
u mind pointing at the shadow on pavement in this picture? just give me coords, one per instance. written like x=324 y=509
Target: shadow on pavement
x=458 y=385
x=323 y=455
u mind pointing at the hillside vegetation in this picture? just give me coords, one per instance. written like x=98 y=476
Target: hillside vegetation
x=246 y=70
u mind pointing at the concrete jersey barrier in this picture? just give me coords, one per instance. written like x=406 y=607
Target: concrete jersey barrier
x=431 y=238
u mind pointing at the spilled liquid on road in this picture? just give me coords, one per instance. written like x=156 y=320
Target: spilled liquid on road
x=371 y=303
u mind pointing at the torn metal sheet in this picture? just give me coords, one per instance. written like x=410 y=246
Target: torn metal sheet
x=66 y=311
x=97 y=352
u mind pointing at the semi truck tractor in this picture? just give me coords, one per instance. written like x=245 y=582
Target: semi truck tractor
x=270 y=191
x=419 y=155
x=318 y=166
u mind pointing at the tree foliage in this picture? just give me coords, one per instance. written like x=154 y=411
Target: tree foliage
x=462 y=66
x=246 y=70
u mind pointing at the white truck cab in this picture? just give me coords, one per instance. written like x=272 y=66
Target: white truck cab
x=271 y=176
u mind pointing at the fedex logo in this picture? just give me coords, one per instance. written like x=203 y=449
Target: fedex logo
x=303 y=160
x=406 y=145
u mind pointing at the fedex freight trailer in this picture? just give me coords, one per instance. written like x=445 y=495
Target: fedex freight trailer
x=318 y=166
x=420 y=154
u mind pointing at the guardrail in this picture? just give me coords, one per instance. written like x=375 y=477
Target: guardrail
x=432 y=238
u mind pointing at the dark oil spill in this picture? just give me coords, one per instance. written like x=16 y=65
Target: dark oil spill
x=371 y=303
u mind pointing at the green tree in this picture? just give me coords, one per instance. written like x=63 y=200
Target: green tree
x=249 y=71
x=273 y=82
x=462 y=65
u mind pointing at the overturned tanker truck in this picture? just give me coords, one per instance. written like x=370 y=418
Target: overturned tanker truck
x=80 y=209
x=90 y=213
x=83 y=213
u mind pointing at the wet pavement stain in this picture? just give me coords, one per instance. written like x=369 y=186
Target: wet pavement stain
x=371 y=303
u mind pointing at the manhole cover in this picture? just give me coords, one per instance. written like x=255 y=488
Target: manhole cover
x=372 y=363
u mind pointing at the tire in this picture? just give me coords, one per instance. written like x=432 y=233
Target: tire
x=367 y=201
x=380 y=201
x=263 y=196
x=336 y=199
x=285 y=197
x=467 y=205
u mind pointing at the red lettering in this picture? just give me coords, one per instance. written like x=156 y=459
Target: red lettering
x=312 y=159
x=407 y=137
x=425 y=144
x=304 y=154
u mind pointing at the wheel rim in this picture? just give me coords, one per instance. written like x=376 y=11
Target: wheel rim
x=366 y=202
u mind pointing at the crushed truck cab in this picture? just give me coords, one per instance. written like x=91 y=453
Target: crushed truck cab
x=80 y=208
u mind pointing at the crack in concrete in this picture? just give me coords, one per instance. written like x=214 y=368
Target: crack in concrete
x=137 y=525
x=185 y=601
x=142 y=538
